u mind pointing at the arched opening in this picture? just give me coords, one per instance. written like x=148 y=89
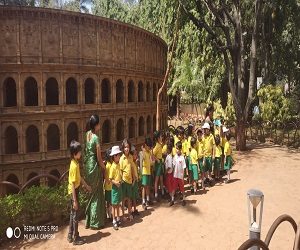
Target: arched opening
x=140 y=91
x=148 y=124
x=32 y=139
x=154 y=123
x=71 y=91
x=154 y=92
x=120 y=130
x=148 y=93
x=9 y=93
x=72 y=133
x=53 y=137
x=52 y=92
x=89 y=91
x=31 y=92
x=11 y=140
x=35 y=183
x=119 y=91
x=131 y=128
x=141 y=126
x=131 y=91
x=105 y=91
x=106 y=131
x=10 y=189
x=51 y=182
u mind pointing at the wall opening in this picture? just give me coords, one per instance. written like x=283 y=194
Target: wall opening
x=140 y=91
x=131 y=128
x=52 y=92
x=51 y=182
x=119 y=91
x=31 y=92
x=72 y=133
x=120 y=130
x=148 y=124
x=32 y=139
x=148 y=92
x=9 y=93
x=131 y=91
x=11 y=140
x=14 y=179
x=154 y=92
x=105 y=91
x=89 y=91
x=71 y=91
x=141 y=126
x=35 y=183
x=53 y=137
x=106 y=131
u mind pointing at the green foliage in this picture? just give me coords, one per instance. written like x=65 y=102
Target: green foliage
x=273 y=105
x=37 y=205
x=227 y=114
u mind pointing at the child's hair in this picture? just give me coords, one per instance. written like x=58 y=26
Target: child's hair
x=199 y=131
x=156 y=135
x=209 y=109
x=169 y=148
x=193 y=142
x=75 y=147
x=179 y=145
x=171 y=140
x=125 y=142
x=190 y=129
x=94 y=121
x=217 y=140
x=228 y=136
x=148 y=142
x=180 y=130
x=107 y=155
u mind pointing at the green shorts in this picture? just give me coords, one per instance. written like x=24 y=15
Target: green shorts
x=116 y=195
x=126 y=190
x=217 y=163
x=201 y=165
x=108 y=196
x=228 y=163
x=208 y=164
x=158 y=168
x=135 y=191
x=194 y=172
x=146 y=180
x=188 y=163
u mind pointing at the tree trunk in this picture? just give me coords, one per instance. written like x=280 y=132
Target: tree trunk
x=177 y=104
x=240 y=133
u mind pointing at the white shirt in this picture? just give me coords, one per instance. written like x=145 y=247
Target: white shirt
x=179 y=166
x=169 y=163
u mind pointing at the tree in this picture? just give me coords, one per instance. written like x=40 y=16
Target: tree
x=229 y=26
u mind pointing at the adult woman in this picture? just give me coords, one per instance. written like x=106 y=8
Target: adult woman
x=94 y=169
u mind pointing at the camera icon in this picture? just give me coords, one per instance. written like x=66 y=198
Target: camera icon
x=16 y=232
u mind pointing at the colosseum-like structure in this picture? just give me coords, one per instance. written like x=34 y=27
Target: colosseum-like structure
x=56 y=69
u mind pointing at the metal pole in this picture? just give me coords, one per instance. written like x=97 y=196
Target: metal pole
x=254 y=234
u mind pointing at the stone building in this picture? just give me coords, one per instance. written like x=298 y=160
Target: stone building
x=57 y=68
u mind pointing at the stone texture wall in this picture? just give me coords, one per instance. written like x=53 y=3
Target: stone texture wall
x=56 y=69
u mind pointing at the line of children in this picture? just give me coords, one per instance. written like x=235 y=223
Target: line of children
x=200 y=154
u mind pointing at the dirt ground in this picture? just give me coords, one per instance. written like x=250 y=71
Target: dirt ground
x=215 y=220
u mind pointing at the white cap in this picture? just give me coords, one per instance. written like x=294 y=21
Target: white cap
x=225 y=129
x=206 y=125
x=115 y=150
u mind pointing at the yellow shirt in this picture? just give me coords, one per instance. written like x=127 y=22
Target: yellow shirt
x=218 y=151
x=227 y=149
x=157 y=151
x=189 y=143
x=115 y=172
x=194 y=156
x=174 y=152
x=126 y=165
x=200 y=148
x=146 y=163
x=223 y=141
x=135 y=170
x=107 y=185
x=74 y=175
x=176 y=139
x=185 y=147
x=208 y=145
x=165 y=149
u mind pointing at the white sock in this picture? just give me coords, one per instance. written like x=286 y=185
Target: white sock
x=114 y=221
x=172 y=197
x=162 y=191
x=228 y=173
x=155 y=195
x=148 y=198
x=144 y=201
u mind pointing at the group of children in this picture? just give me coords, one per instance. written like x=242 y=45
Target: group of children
x=164 y=164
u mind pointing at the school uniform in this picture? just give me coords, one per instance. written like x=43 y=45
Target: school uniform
x=157 y=152
x=126 y=166
x=217 y=161
x=194 y=164
x=178 y=173
x=208 y=145
x=146 y=168
x=169 y=181
x=228 y=158
x=107 y=185
x=116 y=192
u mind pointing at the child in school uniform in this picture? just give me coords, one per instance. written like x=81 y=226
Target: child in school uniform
x=169 y=170
x=158 y=167
x=145 y=164
x=200 y=156
x=135 y=185
x=208 y=148
x=194 y=164
x=73 y=191
x=126 y=166
x=217 y=160
x=115 y=177
x=228 y=157
x=108 y=184
x=178 y=173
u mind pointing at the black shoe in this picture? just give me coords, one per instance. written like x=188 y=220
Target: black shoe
x=115 y=226
x=136 y=212
x=183 y=203
x=171 y=203
x=192 y=191
x=119 y=223
x=147 y=203
x=70 y=238
x=78 y=241
x=144 y=206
